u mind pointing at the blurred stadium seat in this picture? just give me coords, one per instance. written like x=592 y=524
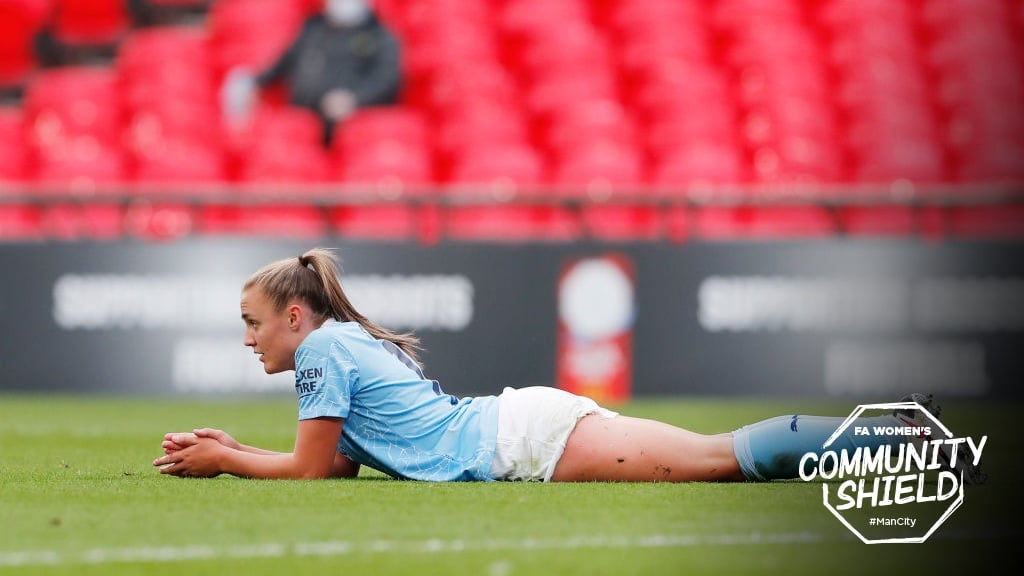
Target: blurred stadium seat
x=876 y=220
x=68 y=102
x=90 y=221
x=512 y=223
x=173 y=163
x=159 y=221
x=278 y=144
x=89 y=22
x=251 y=34
x=768 y=222
x=501 y=170
x=21 y=222
x=505 y=101
x=987 y=222
x=275 y=220
x=14 y=159
x=20 y=21
x=375 y=222
x=624 y=222
x=597 y=169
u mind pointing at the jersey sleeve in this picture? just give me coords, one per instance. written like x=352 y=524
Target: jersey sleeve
x=324 y=382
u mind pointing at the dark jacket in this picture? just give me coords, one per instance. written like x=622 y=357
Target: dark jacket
x=363 y=59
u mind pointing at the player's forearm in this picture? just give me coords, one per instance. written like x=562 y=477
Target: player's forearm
x=270 y=465
x=255 y=450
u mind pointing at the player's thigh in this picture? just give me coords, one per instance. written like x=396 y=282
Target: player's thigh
x=636 y=449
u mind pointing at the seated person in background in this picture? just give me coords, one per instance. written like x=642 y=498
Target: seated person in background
x=345 y=58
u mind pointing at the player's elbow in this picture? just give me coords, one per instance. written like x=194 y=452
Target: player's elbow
x=314 y=475
x=311 y=471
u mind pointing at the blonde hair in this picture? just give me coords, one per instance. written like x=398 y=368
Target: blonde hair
x=313 y=280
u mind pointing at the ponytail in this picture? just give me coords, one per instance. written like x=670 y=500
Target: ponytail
x=313 y=280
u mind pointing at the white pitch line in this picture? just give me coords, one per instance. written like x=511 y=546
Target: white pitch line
x=432 y=546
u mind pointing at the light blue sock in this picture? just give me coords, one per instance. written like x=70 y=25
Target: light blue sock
x=771 y=449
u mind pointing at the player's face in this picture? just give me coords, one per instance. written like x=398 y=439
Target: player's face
x=268 y=332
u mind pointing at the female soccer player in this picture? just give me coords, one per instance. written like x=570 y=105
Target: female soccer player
x=363 y=400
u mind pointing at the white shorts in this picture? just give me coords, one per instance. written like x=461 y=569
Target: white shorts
x=534 y=424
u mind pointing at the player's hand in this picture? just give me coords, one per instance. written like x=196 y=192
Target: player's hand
x=238 y=94
x=174 y=441
x=338 y=104
x=220 y=436
x=199 y=460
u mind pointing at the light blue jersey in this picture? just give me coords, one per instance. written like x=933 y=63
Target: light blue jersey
x=396 y=420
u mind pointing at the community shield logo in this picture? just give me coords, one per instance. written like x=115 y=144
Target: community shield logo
x=902 y=491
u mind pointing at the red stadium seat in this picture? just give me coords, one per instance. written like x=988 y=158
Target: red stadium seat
x=14 y=159
x=877 y=220
x=178 y=163
x=251 y=34
x=159 y=222
x=840 y=13
x=531 y=19
x=988 y=222
x=90 y=22
x=887 y=121
x=797 y=159
x=774 y=222
x=150 y=127
x=435 y=51
x=879 y=80
x=859 y=44
x=598 y=170
x=374 y=222
x=166 y=63
x=623 y=223
x=993 y=162
x=502 y=169
x=82 y=166
x=672 y=88
x=384 y=123
x=939 y=14
x=20 y=21
x=699 y=164
x=281 y=162
x=571 y=48
x=63 y=103
x=280 y=220
x=589 y=122
x=786 y=117
x=554 y=96
x=976 y=130
x=20 y=222
x=282 y=123
x=919 y=161
x=458 y=87
x=391 y=167
x=279 y=143
x=479 y=124
x=90 y=221
x=636 y=19
x=512 y=223
x=714 y=126
x=144 y=48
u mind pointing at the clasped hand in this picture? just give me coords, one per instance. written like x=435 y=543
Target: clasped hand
x=194 y=454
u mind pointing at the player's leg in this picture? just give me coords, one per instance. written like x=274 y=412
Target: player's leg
x=636 y=450
x=771 y=449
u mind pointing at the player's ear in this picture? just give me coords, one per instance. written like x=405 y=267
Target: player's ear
x=294 y=316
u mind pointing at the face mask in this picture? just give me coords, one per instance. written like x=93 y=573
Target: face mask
x=346 y=12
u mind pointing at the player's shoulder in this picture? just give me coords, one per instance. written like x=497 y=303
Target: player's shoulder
x=333 y=335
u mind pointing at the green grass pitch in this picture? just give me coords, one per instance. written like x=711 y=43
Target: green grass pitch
x=78 y=496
